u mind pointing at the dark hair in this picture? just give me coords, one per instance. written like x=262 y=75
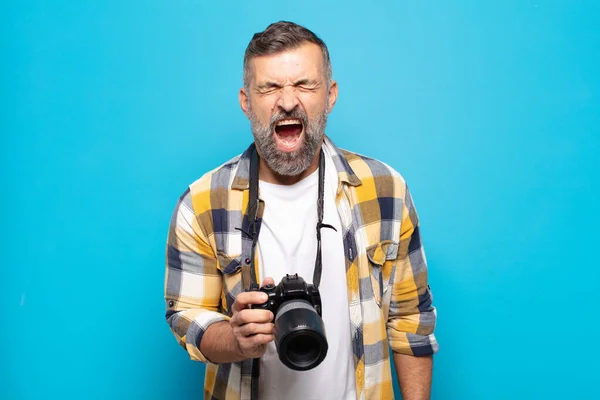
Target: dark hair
x=281 y=36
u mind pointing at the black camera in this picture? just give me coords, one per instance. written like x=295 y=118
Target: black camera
x=299 y=329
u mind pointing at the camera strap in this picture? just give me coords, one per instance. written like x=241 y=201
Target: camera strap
x=254 y=227
x=252 y=213
x=253 y=217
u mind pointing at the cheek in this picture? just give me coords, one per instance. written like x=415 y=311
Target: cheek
x=263 y=109
x=315 y=106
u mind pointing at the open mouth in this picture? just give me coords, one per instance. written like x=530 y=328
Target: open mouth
x=288 y=133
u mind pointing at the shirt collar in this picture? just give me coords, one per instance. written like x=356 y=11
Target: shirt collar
x=345 y=173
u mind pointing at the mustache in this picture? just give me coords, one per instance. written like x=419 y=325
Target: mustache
x=296 y=113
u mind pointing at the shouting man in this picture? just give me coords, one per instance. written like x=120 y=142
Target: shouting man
x=339 y=228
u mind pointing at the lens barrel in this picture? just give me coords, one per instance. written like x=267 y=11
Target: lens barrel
x=300 y=335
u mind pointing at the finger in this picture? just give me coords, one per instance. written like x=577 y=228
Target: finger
x=243 y=299
x=268 y=281
x=256 y=328
x=248 y=316
x=261 y=339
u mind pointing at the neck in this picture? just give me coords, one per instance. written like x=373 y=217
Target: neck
x=266 y=174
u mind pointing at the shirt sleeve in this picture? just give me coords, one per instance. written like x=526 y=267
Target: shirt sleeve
x=193 y=283
x=412 y=316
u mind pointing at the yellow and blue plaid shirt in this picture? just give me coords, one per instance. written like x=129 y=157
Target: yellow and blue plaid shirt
x=386 y=271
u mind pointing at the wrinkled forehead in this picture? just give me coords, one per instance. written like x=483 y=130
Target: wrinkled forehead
x=303 y=62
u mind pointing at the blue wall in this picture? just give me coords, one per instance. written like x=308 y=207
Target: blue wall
x=490 y=111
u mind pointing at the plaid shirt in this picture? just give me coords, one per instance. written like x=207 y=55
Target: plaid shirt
x=386 y=271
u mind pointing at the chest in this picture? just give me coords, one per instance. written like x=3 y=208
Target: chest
x=367 y=237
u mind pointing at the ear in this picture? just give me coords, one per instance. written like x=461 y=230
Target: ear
x=243 y=98
x=333 y=94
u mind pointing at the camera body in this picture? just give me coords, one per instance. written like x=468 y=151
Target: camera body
x=299 y=329
x=291 y=287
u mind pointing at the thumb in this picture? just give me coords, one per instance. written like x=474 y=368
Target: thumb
x=268 y=281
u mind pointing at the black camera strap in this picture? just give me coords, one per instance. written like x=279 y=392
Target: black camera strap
x=252 y=213
x=320 y=224
x=253 y=216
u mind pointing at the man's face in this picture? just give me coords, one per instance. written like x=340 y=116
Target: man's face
x=287 y=102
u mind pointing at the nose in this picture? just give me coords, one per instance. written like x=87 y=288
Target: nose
x=288 y=99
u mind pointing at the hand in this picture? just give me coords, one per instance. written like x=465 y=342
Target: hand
x=252 y=329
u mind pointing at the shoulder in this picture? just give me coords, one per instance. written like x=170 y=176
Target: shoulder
x=376 y=172
x=197 y=195
x=220 y=177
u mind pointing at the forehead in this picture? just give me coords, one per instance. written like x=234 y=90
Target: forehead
x=304 y=61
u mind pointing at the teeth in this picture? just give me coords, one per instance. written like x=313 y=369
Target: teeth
x=289 y=122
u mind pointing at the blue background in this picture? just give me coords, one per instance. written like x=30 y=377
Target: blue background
x=490 y=110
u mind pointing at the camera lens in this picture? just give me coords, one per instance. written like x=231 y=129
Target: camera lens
x=303 y=349
x=300 y=335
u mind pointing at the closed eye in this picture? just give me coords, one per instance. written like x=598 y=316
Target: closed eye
x=268 y=87
x=307 y=84
x=302 y=84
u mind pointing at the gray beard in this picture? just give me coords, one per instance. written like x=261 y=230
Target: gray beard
x=288 y=163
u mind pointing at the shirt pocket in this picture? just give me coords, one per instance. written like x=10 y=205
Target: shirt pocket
x=231 y=268
x=381 y=257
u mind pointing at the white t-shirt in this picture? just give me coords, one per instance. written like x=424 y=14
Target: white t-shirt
x=287 y=244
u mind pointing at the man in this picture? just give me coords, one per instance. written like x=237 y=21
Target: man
x=373 y=287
